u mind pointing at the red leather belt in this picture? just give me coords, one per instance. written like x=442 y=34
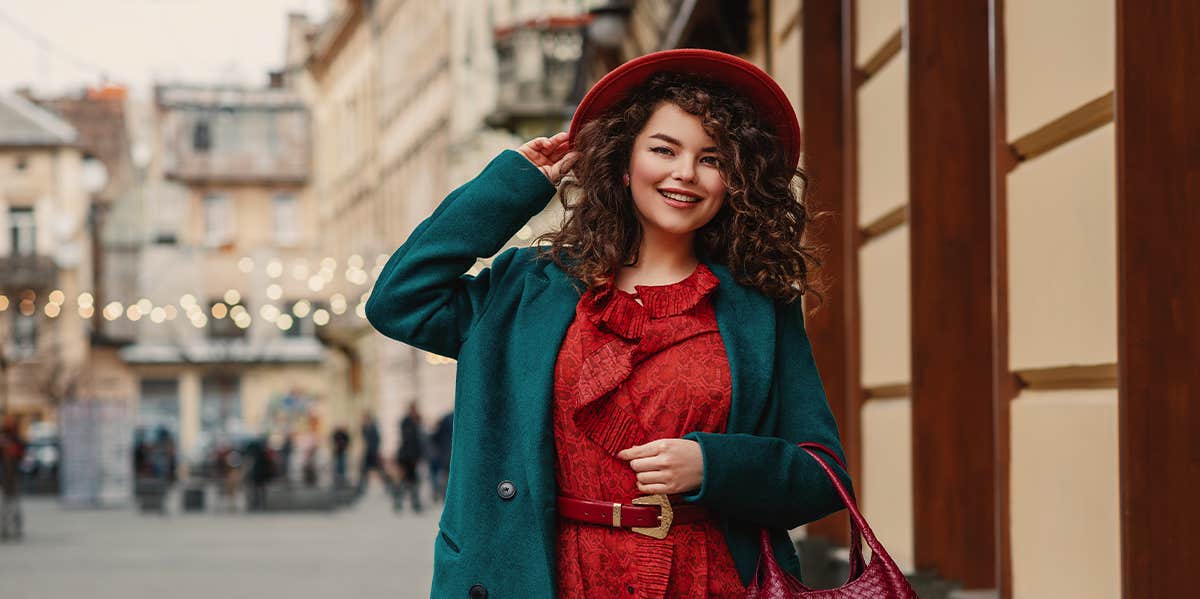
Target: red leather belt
x=651 y=515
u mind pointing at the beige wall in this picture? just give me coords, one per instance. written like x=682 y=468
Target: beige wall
x=886 y=479
x=1065 y=495
x=1064 y=474
x=884 y=297
x=884 y=289
x=1059 y=55
x=875 y=22
x=1062 y=256
x=883 y=141
x=785 y=43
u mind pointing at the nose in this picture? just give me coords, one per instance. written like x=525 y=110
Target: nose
x=685 y=171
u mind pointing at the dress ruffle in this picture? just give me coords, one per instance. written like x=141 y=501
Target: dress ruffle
x=609 y=361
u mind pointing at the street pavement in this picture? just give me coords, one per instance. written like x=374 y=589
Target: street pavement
x=364 y=550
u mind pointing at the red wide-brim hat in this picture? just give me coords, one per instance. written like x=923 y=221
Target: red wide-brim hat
x=773 y=106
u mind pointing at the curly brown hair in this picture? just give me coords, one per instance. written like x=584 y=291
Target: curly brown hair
x=757 y=233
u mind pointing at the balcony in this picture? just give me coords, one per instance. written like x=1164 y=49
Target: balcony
x=538 y=64
x=27 y=272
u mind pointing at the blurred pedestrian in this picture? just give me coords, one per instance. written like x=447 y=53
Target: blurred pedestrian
x=162 y=456
x=439 y=455
x=262 y=469
x=408 y=456
x=12 y=449
x=341 y=443
x=372 y=460
x=226 y=469
x=608 y=364
x=286 y=449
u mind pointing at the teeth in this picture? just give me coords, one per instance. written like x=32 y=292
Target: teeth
x=678 y=197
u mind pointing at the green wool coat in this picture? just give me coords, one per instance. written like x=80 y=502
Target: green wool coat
x=505 y=327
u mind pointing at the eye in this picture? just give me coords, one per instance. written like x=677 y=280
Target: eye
x=664 y=150
x=711 y=161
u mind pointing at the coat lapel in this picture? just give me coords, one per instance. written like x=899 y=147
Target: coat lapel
x=746 y=320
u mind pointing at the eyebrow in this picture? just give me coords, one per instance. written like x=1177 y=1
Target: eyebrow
x=672 y=140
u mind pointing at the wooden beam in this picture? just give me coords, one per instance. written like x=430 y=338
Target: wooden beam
x=892 y=219
x=1098 y=376
x=825 y=145
x=1070 y=126
x=950 y=223
x=893 y=391
x=890 y=48
x=1158 y=289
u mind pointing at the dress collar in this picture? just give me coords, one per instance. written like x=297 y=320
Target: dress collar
x=620 y=312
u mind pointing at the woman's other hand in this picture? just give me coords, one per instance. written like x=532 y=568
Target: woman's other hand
x=666 y=466
x=551 y=155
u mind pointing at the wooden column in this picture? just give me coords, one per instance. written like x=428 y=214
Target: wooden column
x=1158 y=304
x=1003 y=383
x=950 y=220
x=824 y=59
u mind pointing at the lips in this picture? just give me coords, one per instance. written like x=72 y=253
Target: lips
x=679 y=196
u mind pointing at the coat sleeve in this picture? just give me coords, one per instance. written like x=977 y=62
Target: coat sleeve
x=767 y=479
x=422 y=296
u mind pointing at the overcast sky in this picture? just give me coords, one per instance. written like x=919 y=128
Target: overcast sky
x=56 y=46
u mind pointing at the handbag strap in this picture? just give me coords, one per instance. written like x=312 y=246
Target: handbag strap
x=858 y=524
x=857 y=563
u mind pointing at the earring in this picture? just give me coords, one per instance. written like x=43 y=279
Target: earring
x=626 y=179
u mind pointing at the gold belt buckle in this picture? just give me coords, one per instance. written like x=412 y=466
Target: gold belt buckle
x=664 y=519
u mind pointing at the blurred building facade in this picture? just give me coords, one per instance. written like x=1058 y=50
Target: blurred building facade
x=229 y=277
x=45 y=258
x=405 y=100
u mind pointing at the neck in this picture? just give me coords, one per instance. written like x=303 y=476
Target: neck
x=663 y=258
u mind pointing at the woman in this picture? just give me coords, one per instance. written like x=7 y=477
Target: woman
x=629 y=396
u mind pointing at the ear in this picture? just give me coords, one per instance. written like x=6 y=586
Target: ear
x=626 y=179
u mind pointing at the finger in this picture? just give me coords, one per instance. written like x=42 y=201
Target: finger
x=656 y=476
x=645 y=464
x=567 y=162
x=639 y=451
x=655 y=489
x=557 y=142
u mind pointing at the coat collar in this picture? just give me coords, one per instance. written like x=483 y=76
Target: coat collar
x=745 y=319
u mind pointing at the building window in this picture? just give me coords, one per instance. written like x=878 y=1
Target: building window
x=23 y=340
x=220 y=407
x=158 y=405
x=218 y=219
x=202 y=136
x=222 y=320
x=165 y=238
x=22 y=231
x=287 y=219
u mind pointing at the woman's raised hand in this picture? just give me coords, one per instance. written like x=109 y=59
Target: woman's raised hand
x=551 y=155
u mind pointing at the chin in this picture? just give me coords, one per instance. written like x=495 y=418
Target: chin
x=677 y=228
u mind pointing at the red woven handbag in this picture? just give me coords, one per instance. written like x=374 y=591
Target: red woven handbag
x=881 y=579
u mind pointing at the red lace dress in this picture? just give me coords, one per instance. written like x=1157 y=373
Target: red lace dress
x=629 y=373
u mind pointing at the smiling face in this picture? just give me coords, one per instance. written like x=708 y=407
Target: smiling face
x=674 y=174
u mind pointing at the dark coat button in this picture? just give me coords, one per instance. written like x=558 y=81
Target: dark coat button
x=477 y=592
x=506 y=489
